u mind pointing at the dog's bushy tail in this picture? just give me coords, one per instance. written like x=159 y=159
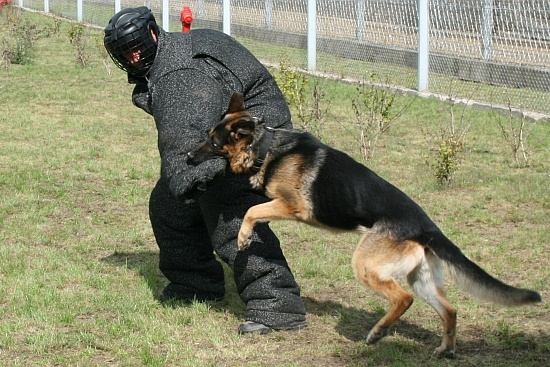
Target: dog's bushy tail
x=473 y=279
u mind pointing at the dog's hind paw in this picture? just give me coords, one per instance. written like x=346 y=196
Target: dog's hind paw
x=376 y=334
x=442 y=352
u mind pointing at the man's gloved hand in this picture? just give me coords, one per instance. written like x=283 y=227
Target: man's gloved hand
x=140 y=96
x=190 y=183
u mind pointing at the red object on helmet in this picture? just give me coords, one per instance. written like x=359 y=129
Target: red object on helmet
x=186 y=19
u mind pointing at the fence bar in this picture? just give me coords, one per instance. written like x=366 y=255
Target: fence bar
x=79 y=10
x=311 y=35
x=360 y=20
x=166 y=15
x=269 y=13
x=226 y=17
x=201 y=9
x=423 y=45
x=487 y=31
x=46 y=6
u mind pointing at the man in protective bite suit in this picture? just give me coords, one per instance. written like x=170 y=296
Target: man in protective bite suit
x=185 y=81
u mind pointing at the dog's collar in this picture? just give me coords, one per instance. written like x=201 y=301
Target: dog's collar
x=263 y=147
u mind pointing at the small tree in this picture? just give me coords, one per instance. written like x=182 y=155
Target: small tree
x=515 y=132
x=79 y=40
x=293 y=85
x=309 y=109
x=315 y=110
x=103 y=54
x=445 y=159
x=374 y=113
x=17 y=46
x=446 y=146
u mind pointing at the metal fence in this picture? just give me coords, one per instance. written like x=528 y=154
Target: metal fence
x=494 y=51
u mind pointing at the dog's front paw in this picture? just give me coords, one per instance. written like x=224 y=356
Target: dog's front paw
x=244 y=240
x=244 y=244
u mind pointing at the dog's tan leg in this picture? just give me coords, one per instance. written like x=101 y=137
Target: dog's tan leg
x=448 y=314
x=273 y=210
x=377 y=261
x=399 y=299
x=427 y=283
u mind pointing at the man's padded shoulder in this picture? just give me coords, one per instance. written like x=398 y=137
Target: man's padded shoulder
x=215 y=43
x=179 y=51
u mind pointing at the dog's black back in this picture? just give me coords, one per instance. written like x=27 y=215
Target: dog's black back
x=345 y=194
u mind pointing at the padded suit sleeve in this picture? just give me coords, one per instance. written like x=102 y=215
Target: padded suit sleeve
x=186 y=104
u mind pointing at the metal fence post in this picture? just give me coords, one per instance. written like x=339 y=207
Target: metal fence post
x=268 y=13
x=201 y=10
x=79 y=10
x=117 y=6
x=423 y=44
x=226 y=17
x=46 y=6
x=166 y=15
x=311 y=34
x=487 y=31
x=360 y=9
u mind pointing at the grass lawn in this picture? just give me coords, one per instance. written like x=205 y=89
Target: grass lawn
x=78 y=262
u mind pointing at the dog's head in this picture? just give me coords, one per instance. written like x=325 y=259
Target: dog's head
x=230 y=139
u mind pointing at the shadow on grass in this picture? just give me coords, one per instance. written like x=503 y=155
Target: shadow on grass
x=145 y=264
x=474 y=346
x=354 y=323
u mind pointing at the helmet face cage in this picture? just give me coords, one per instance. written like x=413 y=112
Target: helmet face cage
x=128 y=30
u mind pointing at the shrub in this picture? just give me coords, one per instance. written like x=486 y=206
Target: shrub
x=374 y=113
x=79 y=40
x=515 y=132
x=17 y=43
x=446 y=145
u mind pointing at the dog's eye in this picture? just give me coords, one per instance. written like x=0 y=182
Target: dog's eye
x=213 y=144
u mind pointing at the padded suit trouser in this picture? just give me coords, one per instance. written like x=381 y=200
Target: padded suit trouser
x=189 y=233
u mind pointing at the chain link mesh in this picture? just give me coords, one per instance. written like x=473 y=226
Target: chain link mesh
x=495 y=51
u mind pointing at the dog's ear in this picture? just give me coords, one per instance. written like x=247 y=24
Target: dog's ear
x=236 y=104
x=243 y=128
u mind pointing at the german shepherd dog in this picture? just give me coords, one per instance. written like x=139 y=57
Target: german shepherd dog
x=313 y=183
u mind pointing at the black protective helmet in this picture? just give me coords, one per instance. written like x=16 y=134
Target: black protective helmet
x=128 y=29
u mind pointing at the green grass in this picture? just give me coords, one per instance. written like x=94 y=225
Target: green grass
x=78 y=261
